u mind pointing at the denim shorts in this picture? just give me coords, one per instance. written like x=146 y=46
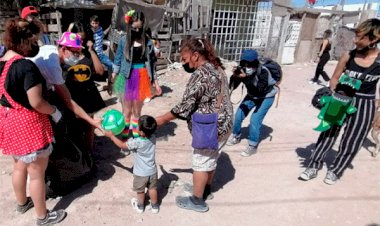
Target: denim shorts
x=31 y=157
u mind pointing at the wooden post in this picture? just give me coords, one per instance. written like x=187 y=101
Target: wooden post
x=284 y=27
x=269 y=41
x=299 y=39
x=195 y=15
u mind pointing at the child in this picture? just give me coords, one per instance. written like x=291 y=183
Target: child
x=98 y=37
x=144 y=169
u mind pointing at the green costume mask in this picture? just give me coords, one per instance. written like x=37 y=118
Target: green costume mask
x=338 y=105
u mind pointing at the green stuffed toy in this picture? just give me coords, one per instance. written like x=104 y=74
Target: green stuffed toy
x=338 y=105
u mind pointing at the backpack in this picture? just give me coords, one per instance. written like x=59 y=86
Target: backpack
x=274 y=69
x=324 y=91
x=71 y=164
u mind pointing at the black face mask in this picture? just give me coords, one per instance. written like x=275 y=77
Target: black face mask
x=34 y=51
x=187 y=68
x=363 y=51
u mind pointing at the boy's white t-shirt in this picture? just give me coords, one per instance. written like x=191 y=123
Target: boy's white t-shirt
x=47 y=60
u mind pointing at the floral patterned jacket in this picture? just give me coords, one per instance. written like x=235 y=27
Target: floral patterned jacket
x=201 y=96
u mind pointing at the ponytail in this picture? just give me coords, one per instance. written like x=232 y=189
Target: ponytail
x=204 y=48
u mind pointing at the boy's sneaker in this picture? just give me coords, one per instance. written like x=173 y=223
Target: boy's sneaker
x=251 y=150
x=308 y=174
x=52 y=217
x=136 y=206
x=233 y=140
x=330 y=178
x=27 y=206
x=155 y=207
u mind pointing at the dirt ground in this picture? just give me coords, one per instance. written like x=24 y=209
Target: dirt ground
x=259 y=190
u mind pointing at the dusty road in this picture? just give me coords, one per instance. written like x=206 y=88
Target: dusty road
x=260 y=190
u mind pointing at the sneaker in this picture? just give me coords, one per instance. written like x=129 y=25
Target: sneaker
x=147 y=100
x=155 y=208
x=52 y=217
x=309 y=174
x=330 y=178
x=27 y=206
x=311 y=81
x=136 y=206
x=251 y=150
x=125 y=152
x=233 y=140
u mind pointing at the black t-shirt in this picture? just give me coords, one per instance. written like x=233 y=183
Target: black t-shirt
x=79 y=81
x=22 y=75
x=369 y=83
x=137 y=52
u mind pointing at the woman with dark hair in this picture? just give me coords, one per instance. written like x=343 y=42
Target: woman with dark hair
x=206 y=93
x=362 y=65
x=25 y=130
x=324 y=57
x=134 y=67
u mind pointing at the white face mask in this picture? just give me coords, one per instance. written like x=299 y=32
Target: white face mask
x=71 y=61
x=250 y=71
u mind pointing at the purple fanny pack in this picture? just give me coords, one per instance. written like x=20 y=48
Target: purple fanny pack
x=205 y=131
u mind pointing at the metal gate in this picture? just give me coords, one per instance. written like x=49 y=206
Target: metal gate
x=238 y=25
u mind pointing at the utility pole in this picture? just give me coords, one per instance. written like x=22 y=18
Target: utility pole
x=342 y=2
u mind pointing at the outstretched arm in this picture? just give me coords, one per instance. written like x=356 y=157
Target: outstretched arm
x=116 y=140
x=65 y=95
x=165 y=118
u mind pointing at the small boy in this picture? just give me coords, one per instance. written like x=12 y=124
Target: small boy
x=144 y=169
x=98 y=45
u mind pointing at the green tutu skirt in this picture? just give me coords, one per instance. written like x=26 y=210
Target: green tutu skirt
x=119 y=85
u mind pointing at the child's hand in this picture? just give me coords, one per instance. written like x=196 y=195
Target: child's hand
x=108 y=133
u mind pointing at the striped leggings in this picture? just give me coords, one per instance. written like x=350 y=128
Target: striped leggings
x=356 y=129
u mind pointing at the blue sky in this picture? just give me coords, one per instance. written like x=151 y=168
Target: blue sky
x=301 y=3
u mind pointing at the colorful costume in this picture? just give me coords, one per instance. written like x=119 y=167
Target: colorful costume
x=338 y=105
x=22 y=131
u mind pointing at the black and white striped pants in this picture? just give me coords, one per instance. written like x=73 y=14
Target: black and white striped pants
x=356 y=129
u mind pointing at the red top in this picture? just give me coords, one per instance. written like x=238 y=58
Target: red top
x=22 y=131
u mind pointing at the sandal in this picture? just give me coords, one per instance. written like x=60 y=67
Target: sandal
x=185 y=202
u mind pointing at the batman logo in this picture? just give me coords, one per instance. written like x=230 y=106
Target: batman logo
x=80 y=72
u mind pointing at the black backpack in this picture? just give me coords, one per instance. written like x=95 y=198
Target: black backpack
x=274 y=70
x=324 y=91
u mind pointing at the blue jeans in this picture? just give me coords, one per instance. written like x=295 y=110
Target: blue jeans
x=261 y=108
x=104 y=59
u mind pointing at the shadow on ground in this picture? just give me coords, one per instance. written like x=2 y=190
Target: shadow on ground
x=304 y=154
x=224 y=173
x=163 y=132
x=266 y=132
x=165 y=183
x=105 y=156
